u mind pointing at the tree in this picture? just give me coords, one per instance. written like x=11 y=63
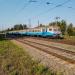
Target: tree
x=18 y=27
x=70 y=30
x=73 y=31
x=63 y=26
x=25 y=26
x=11 y=29
x=8 y=29
x=52 y=24
x=41 y=25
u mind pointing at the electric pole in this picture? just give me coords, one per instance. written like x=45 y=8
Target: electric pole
x=29 y=23
x=38 y=23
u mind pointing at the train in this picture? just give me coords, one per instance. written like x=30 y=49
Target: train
x=48 y=31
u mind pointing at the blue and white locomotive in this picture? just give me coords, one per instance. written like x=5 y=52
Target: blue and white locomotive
x=48 y=31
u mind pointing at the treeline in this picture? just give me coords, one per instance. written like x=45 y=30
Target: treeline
x=66 y=29
x=18 y=27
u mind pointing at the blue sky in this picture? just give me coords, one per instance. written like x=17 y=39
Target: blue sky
x=20 y=11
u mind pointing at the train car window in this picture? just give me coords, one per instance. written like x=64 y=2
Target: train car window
x=50 y=29
x=43 y=30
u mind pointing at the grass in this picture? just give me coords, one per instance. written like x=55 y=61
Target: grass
x=15 y=61
x=69 y=37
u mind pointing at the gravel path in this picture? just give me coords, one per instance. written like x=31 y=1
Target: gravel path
x=52 y=62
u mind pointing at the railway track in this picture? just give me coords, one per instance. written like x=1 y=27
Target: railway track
x=63 y=41
x=53 y=47
x=67 y=56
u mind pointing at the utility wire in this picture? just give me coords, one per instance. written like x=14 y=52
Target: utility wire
x=34 y=1
x=49 y=2
x=71 y=8
x=58 y=5
x=25 y=5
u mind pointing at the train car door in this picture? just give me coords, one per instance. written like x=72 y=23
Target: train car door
x=44 y=30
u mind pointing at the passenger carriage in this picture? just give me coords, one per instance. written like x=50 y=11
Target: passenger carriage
x=48 y=31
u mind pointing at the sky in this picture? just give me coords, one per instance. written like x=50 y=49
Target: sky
x=30 y=11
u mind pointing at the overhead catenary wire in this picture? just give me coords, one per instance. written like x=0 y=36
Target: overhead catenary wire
x=56 y=6
x=33 y=1
x=71 y=7
x=30 y=1
x=42 y=13
x=48 y=3
x=25 y=5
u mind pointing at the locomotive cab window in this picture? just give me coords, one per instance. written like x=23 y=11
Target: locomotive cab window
x=55 y=29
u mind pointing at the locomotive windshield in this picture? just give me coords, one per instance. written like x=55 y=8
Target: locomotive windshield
x=55 y=29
